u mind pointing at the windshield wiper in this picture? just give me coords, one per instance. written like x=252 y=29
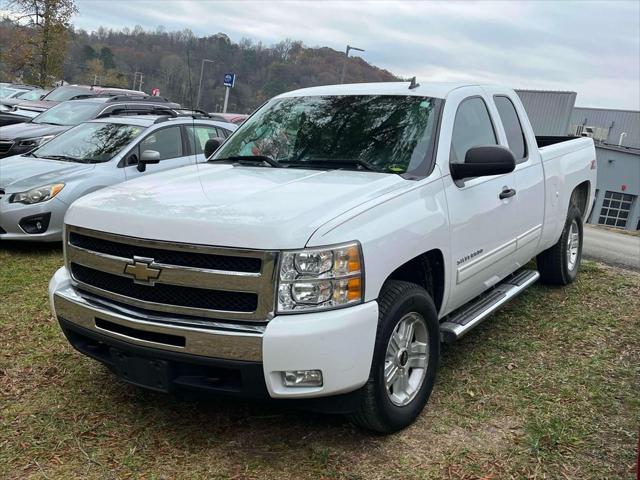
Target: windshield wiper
x=65 y=158
x=249 y=158
x=335 y=163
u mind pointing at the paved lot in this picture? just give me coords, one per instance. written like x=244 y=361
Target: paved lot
x=611 y=247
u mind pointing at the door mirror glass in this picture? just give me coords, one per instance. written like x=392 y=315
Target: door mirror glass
x=211 y=146
x=483 y=162
x=148 y=156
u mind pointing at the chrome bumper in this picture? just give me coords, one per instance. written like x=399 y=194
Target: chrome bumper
x=233 y=345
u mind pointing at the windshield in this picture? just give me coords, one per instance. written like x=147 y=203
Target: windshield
x=381 y=132
x=31 y=94
x=7 y=92
x=62 y=94
x=89 y=142
x=69 y=113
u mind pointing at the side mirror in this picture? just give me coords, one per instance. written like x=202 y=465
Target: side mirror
x=148 y=157
x=483 y=162
x=212 y=145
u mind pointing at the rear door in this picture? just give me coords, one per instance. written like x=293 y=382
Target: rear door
x=197 y=136
x=169 y=142
x=529 y=175
x=483 y=233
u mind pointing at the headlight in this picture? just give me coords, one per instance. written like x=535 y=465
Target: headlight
x=320 y=278
x=34 y=142
x=37 y=195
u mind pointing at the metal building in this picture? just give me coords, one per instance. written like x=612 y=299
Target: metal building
x=617 y=137
x=549 y=111
x=616 y=134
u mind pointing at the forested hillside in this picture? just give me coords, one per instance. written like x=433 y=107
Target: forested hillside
x=171 y=61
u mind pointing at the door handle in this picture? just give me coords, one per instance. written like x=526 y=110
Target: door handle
x=507 y=193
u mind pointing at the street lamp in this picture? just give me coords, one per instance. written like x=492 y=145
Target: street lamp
x=346 y=56
x=200 y=84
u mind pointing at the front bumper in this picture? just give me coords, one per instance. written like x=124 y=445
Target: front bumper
x=12 y=213
x=339 y=343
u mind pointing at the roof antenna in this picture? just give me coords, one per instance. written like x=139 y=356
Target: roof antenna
x=413 y=83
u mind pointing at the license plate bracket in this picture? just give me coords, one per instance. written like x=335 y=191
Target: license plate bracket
x=145 y=372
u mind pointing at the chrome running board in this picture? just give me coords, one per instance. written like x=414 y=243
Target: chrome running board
x=472 y=314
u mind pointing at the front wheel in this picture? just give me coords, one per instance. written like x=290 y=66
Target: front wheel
x=559 y=264
x=405 y=359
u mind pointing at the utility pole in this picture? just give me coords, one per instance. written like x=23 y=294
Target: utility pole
x=346 y=56
x=135 y=80
x=95 y=78
x=140 y=89
x=200 y=83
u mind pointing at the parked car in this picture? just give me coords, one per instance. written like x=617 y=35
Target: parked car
x=327 y=247
x=7 y=103
x=12 y=90
x=37 y=188
x=73 y=92
x=236 y=118
x=22 y=137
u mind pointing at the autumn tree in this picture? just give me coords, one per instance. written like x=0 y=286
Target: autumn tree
x=48 y=21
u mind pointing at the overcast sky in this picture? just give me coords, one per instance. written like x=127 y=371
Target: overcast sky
x=589 y=47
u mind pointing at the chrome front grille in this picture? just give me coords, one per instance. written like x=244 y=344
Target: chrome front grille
x=173 y=278
x=5 y=146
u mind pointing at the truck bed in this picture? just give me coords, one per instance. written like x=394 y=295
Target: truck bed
x=545 y=141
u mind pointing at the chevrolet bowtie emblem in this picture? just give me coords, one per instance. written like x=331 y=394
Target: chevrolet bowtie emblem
x=142 y=271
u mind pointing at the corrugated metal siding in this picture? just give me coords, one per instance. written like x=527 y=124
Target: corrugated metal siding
x=549 y=112
x=617 y=121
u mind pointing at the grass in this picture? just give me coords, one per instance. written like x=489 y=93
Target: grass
x=548 y=388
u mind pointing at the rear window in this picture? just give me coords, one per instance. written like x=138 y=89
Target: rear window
x=69 y=113
x=512 y=127
x=62 y=94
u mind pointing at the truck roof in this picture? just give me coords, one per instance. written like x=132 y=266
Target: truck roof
x=424 y=89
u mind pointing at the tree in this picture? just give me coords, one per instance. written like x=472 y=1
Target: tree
x=49 y=22
x=106 y=55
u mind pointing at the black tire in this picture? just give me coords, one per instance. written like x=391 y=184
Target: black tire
x=376 y=411
x=553 y=263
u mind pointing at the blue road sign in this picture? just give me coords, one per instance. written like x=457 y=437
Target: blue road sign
x=229 y=79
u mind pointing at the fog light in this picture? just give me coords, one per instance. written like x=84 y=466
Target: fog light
x=35 y=223
x=302 y=378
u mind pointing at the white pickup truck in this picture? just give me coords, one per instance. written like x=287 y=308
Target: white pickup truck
x=327 y=247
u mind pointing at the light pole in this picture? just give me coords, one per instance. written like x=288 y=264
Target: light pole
x=200 y=84
x=346 y=56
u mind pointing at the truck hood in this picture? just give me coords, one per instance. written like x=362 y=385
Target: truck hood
x=30 y=130
x=20 y=173
x=226 y=205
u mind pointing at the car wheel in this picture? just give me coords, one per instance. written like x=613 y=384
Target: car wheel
x=559 y=264
x=405 y=359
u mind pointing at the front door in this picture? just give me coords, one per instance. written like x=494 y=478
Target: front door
x=482 y=227
x=167 y=141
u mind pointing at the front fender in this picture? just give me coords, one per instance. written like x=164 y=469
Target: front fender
x=393 y=229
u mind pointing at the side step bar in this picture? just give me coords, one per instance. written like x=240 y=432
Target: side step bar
x=471 y=315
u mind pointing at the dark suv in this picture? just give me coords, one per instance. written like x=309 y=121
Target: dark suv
x=23 y=137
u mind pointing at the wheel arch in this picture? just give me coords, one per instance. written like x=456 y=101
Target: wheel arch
x=426 y=270
x=580 y=198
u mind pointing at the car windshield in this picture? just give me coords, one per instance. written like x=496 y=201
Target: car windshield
x=377 y=132
x=69 y=113
x=7 y=92
x=62 y=94
x=93 y=142
x=31 y=94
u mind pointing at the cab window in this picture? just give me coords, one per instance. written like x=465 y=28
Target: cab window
x=512 y=127
x=167 y=141
x=472 y=127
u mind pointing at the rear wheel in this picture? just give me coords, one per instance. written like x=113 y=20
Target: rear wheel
x=405 y=359
x=559 y=264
